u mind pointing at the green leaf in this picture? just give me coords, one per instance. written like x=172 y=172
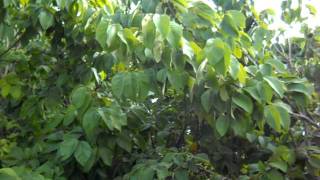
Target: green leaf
x=67 y=147
x=312 y=9
x=101 y=32
x=149 y=6
x=113 y=117
x=237 y=71
x=8 y=174
x=218 y=54
x=106 y=155
x=80 y=97
x=127 y=36
x=265 y=91
x=243 y=101
x=276 y=85
x=112 y=36
x=240 y=126
x=83 y=153
x=206 y=100
x=162 y=172
x=124 y=141
x=178 y=79
x=5 y=89
x=46 y=19
x=301 y=88
x=16 y=92
x=146 y=173
x=228 y=26
x=71 y=114
x=274 y=175
x=181 y=175
x=253 y=91
x=281 y=165
x=273 y=117
x=277 y=64
x=222 y=125
x=238 y=18
x=90 y=122
x=162 y=23
x=175 y=35
x=148 y=31
x=132 y=85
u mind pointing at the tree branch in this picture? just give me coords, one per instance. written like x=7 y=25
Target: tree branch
x=12 y=45
x=307 y=119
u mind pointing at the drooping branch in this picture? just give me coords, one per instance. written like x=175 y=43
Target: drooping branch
x=307 y=119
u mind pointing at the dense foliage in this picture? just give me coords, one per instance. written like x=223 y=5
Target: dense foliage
x=155 y=89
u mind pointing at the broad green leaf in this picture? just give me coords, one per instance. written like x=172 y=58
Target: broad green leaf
x=281 y=165
x=276 y=85
x=243 y=101
x=265 y=91
x=206 y=101
x=71 y=114
x=90 y=122
x=46 y=19
x=80 y=97
x=112 y=38
x=265 y=69
x=301 y=88
x=234 y=68
x=238 y=18
x=277 y=64
x=149 y=6
x=162 y=23
x=133 y=85
x=16 y=92
x=274 y=175
x=312 y=9
x=83 y=153
x=277 y=116
x=9 y=174
x=214 y=50
x=229 y=26
x=223 y=93
x=113 y=117
x=158 y=49
x=24 y=2
x=101 y=32
x=106 y=155
x=5 y=89
x=147 y=173
x=149 y=31
x=222 y=125
x=242 y=75
x=162 y=172
x=124 y=141
x=253 y=91
x=240 y=126
x=218 y=54
x=237 y=71
x=67 y=147
x=127 y=36
x=181 y=174
x=178 y=79
x=175 y=35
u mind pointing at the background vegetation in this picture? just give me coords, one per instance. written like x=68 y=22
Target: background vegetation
x=156 y=89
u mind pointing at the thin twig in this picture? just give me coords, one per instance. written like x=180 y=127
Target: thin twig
x=308 y=119
x=12 y=45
